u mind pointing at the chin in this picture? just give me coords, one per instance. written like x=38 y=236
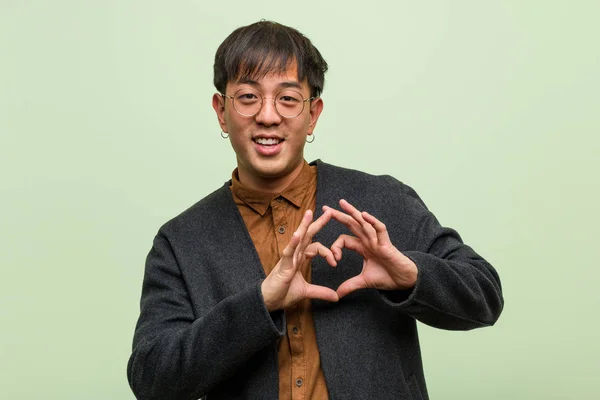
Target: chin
x=273 y=172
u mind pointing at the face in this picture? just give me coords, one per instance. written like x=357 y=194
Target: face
x=269 y=148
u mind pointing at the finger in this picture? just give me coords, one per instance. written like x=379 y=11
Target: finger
x=367 y=228
x=288 y=251
x=352 y=284
x=380 y=228
x=348 y=242
x=316 y=248
x=347 y=221
x=315 y=227
x=304 y=224
x=320 y=292
x=319 y=223
x=286 y=262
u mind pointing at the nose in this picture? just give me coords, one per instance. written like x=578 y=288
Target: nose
x=268 y=115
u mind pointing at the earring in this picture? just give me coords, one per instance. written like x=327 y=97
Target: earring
x=313 y=138
x=224 y=135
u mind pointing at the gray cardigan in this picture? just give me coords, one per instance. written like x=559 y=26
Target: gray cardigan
x=204 y=330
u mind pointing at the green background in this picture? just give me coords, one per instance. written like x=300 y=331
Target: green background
x=489 y=110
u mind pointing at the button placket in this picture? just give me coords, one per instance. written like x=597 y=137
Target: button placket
x=297 y=351
x=280 y=222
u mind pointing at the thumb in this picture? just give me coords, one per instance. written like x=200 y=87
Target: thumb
x=349 y=286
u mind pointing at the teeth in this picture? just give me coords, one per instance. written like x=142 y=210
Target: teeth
x=268 y=142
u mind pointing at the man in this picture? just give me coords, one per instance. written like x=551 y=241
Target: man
x=247 y=295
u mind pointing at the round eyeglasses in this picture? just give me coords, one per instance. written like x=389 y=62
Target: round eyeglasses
x=248 y=102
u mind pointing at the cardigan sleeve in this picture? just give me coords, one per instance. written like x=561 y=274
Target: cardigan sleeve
x=177 y=355
x=456 y=288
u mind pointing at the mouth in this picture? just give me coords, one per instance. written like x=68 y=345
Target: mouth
x=267 y=141
x=268 y=146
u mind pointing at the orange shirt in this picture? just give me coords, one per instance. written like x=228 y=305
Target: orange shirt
x=271 y=219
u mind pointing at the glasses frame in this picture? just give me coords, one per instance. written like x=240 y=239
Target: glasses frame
x=262 y=102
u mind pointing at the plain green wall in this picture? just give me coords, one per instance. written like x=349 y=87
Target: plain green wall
x=489 y=110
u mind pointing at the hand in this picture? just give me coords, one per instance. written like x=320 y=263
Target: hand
x=384 y=266
x=285 y=285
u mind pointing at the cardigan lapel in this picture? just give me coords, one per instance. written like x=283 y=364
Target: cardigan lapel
x=232 y=240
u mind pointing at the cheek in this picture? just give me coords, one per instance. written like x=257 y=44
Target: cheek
x=227 y=118
x=301 y=130
x=234 y=124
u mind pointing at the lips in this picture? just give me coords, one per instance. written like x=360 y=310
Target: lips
x=268 y=146
x=267 y=141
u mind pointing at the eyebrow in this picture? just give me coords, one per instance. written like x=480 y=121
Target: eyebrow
x=284 y=85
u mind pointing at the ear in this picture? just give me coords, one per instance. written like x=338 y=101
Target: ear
x=316 y=107
x=218 y=103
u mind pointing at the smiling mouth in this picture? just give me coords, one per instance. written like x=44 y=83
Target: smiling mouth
x=268 y=141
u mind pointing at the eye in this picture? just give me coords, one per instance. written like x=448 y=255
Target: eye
x=245 y=97
x=289 y=98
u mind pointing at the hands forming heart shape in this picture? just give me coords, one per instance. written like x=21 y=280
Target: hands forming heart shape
x=384 y=266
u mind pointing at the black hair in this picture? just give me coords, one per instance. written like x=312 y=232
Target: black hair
x=264 y=47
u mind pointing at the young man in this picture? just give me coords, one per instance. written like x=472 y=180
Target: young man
x=247 y=295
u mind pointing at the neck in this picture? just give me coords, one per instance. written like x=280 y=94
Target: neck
x=269 y=184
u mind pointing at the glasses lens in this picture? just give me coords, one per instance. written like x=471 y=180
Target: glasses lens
x=289 y=103
x=247 y=102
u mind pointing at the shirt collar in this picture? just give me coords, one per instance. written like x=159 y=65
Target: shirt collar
x=261 y=201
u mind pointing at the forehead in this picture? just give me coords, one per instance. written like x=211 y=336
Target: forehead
x=271 y=80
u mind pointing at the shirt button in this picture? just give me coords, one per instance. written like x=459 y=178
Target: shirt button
x=281 y=229
x=299 y=382
x=295 y=330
